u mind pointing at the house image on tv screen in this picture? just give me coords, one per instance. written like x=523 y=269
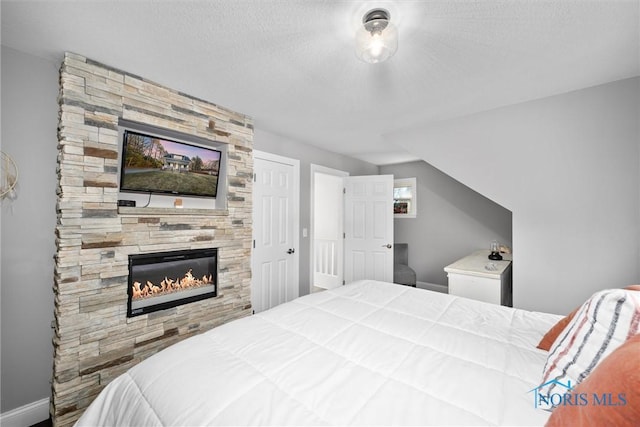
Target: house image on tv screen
x=176 y=162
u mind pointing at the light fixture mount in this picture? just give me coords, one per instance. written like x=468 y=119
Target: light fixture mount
x=376 y=20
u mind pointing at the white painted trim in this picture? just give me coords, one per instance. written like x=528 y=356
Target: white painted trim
x=27 y=415
x=433 y=287
x=327 y=171
x=295 y=163
x=312 y=186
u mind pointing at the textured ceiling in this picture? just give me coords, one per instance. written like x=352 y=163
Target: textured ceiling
x=291 y=65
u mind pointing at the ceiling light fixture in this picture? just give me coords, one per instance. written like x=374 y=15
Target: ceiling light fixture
x=377 y=39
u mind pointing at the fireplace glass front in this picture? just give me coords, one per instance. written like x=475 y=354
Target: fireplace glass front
x=162 y=280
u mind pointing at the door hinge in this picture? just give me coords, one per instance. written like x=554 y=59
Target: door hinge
x=254 y=177
x=254 y=243
x=344 y=190
x=343 y=282
x=344 y=235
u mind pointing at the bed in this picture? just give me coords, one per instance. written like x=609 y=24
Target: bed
x=368 y=353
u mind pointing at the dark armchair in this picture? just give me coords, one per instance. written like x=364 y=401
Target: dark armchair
x=402 y=273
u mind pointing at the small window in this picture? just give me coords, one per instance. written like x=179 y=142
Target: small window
x=405 y=198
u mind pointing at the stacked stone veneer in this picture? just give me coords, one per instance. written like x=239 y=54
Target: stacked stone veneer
x=94 y=340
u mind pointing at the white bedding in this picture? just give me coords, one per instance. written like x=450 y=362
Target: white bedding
x=369 y=353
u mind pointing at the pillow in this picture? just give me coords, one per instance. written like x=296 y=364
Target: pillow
x=603 y=323
x=618 y=376
x=552 y=334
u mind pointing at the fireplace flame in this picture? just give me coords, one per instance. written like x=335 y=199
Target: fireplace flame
x=167 y=286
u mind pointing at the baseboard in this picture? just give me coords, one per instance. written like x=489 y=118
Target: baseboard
x=27 y=415
x=433 y=287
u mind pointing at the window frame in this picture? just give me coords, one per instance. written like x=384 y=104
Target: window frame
x=410 y=183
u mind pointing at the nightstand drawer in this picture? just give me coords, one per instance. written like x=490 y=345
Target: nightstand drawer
x=478 y=288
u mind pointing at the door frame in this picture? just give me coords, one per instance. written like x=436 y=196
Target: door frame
x=327 y=171
x=295 y=214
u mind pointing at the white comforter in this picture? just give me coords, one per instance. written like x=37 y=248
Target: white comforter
x=369 y=353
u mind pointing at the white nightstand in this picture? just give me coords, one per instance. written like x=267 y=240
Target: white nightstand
x=477 y=277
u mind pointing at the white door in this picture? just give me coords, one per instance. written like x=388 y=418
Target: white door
x=327 y=225
x=368 y=227
x=275 y=231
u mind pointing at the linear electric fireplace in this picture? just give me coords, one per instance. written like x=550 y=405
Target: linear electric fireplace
x=162 y=280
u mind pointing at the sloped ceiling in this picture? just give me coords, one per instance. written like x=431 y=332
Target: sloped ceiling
x=291 y=65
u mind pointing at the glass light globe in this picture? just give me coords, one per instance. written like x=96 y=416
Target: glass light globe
x=377 y=45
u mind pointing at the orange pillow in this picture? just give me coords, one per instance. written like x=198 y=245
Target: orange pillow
x=552 y=334
x=609 y=396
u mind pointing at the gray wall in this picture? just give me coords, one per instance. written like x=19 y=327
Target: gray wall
x=276 y=144
x=29 y=123
x=567 y=167
x=452 y=221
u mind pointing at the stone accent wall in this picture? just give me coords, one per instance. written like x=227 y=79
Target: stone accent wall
x=94 y=340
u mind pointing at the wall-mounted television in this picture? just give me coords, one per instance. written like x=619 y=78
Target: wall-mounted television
x=152 y=164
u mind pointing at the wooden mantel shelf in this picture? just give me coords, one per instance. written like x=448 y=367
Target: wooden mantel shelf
x=125 y=210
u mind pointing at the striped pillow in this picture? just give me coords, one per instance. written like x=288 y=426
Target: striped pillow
x=603 y=323
x=618 y=374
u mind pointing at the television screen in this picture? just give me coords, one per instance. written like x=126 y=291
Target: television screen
x=151 y=164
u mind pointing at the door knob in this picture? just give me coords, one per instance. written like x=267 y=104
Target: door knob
x=388 y=246
x=291 y=251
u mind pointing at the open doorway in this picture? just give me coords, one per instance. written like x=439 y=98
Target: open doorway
x=327 y=228
x=351 y=228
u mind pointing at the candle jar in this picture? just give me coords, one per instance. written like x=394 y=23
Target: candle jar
x=495 y=251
